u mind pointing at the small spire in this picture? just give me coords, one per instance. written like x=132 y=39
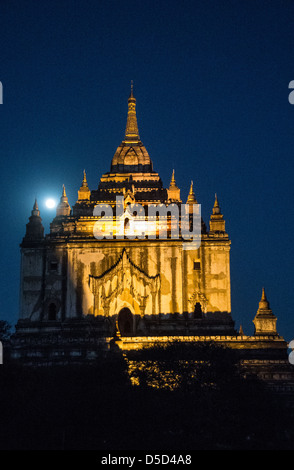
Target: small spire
x=34 y=229
x=191 y=192
x=173 y=180
x=132 y=132
x=191 y=197
x=173 y=191
x=217 y=222
x=64 y=197
x=241 y=332
x=264 y=303
x=63 y=207
x=84 y=192
x=264 y=320
x=35 y=210
x=216 y=208
x=132 y=89
x=85 y=183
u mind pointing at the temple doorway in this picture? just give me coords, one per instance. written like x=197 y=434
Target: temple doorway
x=125 y=322
x=197 y=310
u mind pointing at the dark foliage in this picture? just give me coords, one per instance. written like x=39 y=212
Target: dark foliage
x=96 y=407
x=5 y=331
x=185 y=365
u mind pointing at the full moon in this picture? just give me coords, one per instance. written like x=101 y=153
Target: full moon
x=50 y=203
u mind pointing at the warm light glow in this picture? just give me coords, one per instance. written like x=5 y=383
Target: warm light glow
x=50 y=203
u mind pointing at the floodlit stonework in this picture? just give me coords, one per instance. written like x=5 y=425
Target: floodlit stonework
x=80 y=295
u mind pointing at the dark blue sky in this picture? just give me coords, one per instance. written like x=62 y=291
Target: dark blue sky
x=211 y=81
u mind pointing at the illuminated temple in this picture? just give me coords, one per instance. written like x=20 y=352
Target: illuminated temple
x=80 y=294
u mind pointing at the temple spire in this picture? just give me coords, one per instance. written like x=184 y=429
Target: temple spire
x=132 y=132
x=35 y=210
x=34 y=229
x=84 y=192
x=173 y=180
x=132 y=89
x=63 y=207
x=173 y=191
x=131 y=155
x=263 y=301
x=264 y=320
x=191 y=196
x=217 y=223
x=216 y=208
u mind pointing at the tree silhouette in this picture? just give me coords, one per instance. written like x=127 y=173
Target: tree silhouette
x=96 y=407
x=5 y=331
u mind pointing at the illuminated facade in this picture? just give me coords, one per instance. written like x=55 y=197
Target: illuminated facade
x=69 y=273
x=77 y=288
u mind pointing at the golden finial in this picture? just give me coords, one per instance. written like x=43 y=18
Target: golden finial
x=173 y=180
x=85 y=183
x=191 y=197
x=263 y=301
x=173 y=191
x=132 y=132
x=216 y=208
x=191 y=192
x=84 y=193
x=63 y=207
x=132 y=89
x=35 y=210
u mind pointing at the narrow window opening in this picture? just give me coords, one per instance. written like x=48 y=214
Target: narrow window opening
x=196 y=265
x=52 y=312
x=53 y=265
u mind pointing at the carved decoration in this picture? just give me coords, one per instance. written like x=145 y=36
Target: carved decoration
x=198 y=296
x=124 y=274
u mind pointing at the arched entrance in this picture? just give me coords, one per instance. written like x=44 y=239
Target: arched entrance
x=197 y=310
x=125 y=322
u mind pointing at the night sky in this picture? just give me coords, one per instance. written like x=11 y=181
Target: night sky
x=211 y=81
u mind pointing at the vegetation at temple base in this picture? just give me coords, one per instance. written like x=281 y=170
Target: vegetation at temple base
x=97 y=407
x=5 y=331
x=183 y=366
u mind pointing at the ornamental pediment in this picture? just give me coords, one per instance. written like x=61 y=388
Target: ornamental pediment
x=124 y=269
